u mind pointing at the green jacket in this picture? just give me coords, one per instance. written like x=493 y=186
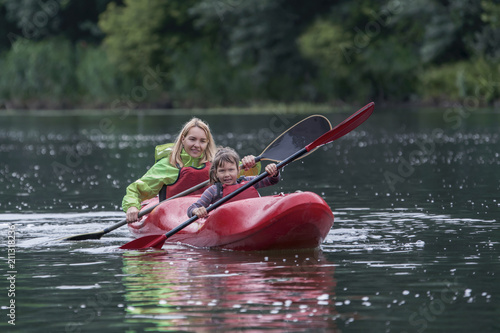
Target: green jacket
x=151 y=183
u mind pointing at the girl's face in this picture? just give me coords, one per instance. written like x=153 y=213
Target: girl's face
x=227 y=173
x=195 y=142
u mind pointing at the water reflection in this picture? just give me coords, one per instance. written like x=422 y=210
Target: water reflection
x=210 y=290
x=420 y=256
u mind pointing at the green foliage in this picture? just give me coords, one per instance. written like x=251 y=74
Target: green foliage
x=145 y=33
x=236 y=52
x=201 y=77
x=74 y=20
x=360 y=65
x=6 y=28
x=34 y=69
x=327 y=44
x=449 y=28
x=391 y=69
x=260 y=38
x=99 y=81
x=486 y=40
x=54 y=72
x=462 y=81
x=491 y=13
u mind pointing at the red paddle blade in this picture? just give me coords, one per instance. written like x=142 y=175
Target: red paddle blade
x=344 y=127
x=145 y=242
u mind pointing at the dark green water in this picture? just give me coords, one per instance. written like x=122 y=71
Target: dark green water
x=414 y=248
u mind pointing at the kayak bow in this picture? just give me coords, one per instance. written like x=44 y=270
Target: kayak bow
x=292 y=221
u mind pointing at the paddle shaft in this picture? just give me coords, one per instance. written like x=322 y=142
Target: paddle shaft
x=340 y=130
x=188 y=222
x=150 y=209
x=238 y=191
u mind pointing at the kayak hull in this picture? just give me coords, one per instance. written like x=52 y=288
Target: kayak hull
x=292 y=221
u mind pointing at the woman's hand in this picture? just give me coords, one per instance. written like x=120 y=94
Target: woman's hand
x=272 y=170
x=200 y=212
x=248 y=162
x=132 y=214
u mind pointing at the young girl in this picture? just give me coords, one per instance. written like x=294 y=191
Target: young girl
x=224 y=177
x=186 y=165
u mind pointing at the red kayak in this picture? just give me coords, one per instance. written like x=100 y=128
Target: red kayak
x=286 y=221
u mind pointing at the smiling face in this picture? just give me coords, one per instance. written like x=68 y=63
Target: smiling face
x=227 y=173
x=195 y=142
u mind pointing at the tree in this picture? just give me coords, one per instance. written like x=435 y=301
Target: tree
x=486 y=42
x=146 y=33
x=363 y=55
x=261 y=36
x=8 y=29
x=75 y=20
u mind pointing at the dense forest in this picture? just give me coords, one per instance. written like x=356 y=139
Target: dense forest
x=212 y=53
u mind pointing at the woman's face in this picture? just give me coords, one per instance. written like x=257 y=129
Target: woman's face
x=227 y=173
x=195 y=142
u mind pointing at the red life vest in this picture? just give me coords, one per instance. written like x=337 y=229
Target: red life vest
x=188 y=177
x=249 y=193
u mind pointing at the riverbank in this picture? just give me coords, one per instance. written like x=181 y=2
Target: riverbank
x=281 y=108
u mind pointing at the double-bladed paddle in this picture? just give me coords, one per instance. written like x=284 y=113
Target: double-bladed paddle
x=295 y=138
x=99 y=234
x=157 y=241
x=285 y=144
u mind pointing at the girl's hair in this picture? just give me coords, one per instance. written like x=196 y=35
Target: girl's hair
x=208 y=154
x=223 y=155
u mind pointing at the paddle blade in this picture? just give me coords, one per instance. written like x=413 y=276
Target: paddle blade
x=295 y=138
x=145 y=242
x=91 y=235
x=344 y=127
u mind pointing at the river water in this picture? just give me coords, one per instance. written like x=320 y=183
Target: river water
x=414 y=247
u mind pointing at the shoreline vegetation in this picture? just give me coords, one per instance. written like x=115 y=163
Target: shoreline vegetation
x=247 y=56
x=279 y=108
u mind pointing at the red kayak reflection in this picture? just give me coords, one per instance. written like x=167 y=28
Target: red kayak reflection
x=207 y=290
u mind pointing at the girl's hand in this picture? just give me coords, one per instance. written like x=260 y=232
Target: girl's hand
x=200 y=212
x=248 y=162
x=272 y=170
x=132 y=214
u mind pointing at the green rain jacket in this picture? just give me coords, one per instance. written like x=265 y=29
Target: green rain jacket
x=151 y=183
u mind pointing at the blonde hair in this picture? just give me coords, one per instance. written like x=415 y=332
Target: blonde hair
x=208 y=154
x=223 y=155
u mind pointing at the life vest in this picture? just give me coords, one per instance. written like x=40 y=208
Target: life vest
x=249 y=193
x=188 y=176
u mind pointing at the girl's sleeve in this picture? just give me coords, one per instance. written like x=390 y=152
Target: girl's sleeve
x=205 y=200
x=150 y=184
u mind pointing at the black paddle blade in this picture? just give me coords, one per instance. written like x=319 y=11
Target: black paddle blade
x=91 y=235
x=295 y=138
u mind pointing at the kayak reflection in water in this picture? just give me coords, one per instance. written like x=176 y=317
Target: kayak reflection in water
x=185 y=289
x=224 y=177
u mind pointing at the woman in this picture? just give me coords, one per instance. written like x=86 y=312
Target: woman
x=186 y=164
